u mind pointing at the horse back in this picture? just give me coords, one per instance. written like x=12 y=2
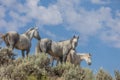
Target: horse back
x=14 y=36
x=10 y=37
x=56 y=48
x=45 y=44
x=66 y=43
x=23 y=43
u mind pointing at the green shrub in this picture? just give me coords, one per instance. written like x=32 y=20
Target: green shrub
x=69 y=72
x=103 y=75
x=88 y=74
x=117 y=75
x=6 y=56
x=21 y=68
x=36 y=67
x=31 y=77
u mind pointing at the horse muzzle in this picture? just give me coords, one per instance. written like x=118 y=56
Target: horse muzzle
x=89 y=63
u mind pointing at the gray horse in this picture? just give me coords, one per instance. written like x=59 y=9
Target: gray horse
x=76 y=58
x=23 y=41
x=59 y=49
x=43 y=46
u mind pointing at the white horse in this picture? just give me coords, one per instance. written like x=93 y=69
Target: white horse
x=59 y=49
x=23 y=41
x=76 y=58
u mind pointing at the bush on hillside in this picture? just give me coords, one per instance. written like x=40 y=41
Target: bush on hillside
x=69 y=72
x=6 y=56
x=88 y=74
x=33 y=65
x=117 y=75
x=103 y=75
x=36 y=67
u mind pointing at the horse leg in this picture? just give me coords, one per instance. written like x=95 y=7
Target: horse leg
x=23 y=55
x=44 y=48
x=51 y=60
x=60 y=60
x=11 y=45
x=37 y=49
x=57 y=62
x=27 y=52
x=65 y=53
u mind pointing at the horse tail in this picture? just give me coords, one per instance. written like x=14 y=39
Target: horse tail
x=1 y=39
x=11 y=39
x=49 y=43
x=5 y=38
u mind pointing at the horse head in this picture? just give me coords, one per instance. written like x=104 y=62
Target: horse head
x=74 y=41
x=33 y=32
x=36 y=33
x=87 y=58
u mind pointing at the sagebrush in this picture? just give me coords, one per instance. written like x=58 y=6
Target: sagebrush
x=37 y=67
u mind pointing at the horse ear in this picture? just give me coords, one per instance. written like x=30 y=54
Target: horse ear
x=36 y=28
x=30 y=29
x=90 y=54
x=73 y=36
x=78 y=37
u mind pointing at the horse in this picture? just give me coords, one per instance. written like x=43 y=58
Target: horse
x=21 y=42
x=76 y=58
x=59 y=49
x=43 y=46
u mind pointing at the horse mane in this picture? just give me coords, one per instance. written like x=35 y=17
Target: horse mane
x=82 y=54
x=64 y=40
x=69 y=39
x=29 y=29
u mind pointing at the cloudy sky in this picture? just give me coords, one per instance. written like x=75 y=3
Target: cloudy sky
x=97 y=22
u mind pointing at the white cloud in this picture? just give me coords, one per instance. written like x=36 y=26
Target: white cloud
x=94 y=22
x=2 y=12
x=8 y=3
x=111 y=38
x=118 y=13
x=50 y=34
x=78 y=19
x=100 y=1
x=19 y=18
x=19 y=14
x=49 y=16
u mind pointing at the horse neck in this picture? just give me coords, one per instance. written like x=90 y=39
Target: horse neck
x=81 y=57
x=65 y=42
x=29 y=35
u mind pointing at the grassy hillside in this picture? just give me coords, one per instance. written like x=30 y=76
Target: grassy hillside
x=38 y=68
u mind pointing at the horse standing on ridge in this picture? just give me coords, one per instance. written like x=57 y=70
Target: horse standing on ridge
x=21 y=42
x=76 y=58
x=59 y=49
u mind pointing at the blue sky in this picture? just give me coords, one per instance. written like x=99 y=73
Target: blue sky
x=97 y=22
